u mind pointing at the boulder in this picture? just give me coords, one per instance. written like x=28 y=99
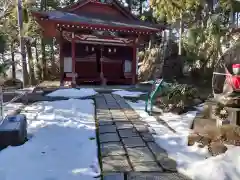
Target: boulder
x=216 y=148
x=193 y=138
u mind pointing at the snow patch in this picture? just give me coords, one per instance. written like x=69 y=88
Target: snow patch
x=63 y=144
x=73 y=93
x=192 y=161
x=124 y=93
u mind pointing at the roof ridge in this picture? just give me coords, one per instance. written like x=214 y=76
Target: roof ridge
x=116 y=2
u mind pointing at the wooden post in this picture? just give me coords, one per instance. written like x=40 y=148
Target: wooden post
x=134 y=64
x=61 y=59
x=1 y=105
x=73 y=61
x=103 y=80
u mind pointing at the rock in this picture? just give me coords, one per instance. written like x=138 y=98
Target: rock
x=204 y=140
x=192 y=138
x=230 y=134
x=212 y=132
x=216 y=148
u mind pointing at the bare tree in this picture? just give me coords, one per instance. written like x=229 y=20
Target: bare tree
x=5 y=6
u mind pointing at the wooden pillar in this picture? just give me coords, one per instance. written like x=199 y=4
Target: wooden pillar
x=134 y=64
x=61 y=59
x=73 y=61
x=103 y=80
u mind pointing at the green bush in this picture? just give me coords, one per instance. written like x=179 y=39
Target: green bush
x=178 y=96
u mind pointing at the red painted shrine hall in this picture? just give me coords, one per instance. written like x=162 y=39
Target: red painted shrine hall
x=98 y=40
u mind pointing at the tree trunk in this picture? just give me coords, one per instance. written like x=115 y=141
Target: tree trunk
x=43 y=63
x=22 y=47
x=53 y=67
x=43 y=7
x=38 y=64
x=140 y=8
x=36 y=52
x=180 y=36
x=32 y=79
x=13 y=63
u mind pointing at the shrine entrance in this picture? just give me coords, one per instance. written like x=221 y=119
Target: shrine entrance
x=98 y=63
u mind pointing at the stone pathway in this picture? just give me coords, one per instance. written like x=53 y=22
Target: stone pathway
x=128 y=150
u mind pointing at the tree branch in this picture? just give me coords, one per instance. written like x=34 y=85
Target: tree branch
x=4 y=7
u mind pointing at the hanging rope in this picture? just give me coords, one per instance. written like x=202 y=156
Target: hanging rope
x=224 y=74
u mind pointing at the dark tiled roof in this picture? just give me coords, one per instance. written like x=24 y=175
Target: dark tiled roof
x=74 y=18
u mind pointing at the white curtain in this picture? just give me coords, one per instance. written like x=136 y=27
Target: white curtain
x=127 y=66
x=67 y=64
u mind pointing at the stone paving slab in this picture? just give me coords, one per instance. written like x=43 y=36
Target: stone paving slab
x=147 y=137
x=155 y=176
x=102 y=122
x=121 y=119
x=168 y=164
x=108 y=129
x=127 y=145
x=146 y=167
x=115 y=164
x=105 y=116
x=162 y=157
x=141 y=128
x=125 y=133
x=109 y=137
x=112 y=149
x=133 y=142
x=124 y=125
x=157 y=151
x=113 y=176
x=140 y=154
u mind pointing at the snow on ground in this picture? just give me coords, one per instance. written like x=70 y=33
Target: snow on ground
x=192 y=161
x=73 y=93
x=62 y=146
x=124 y=93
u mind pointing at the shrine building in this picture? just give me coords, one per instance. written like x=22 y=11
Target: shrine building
x=98 y=40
